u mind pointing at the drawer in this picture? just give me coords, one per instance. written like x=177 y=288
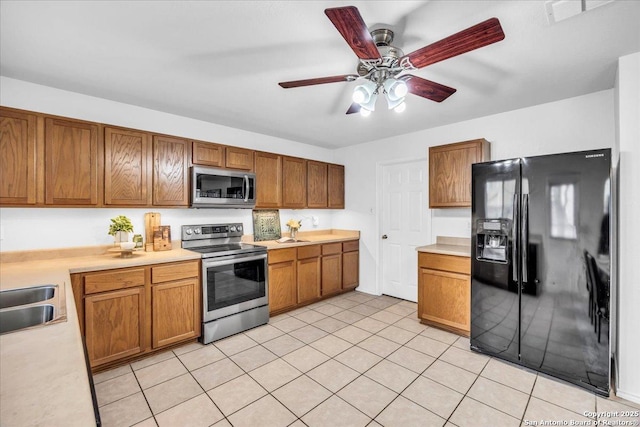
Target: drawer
x=331 y=248
x=350 y=246
x=169 y=272
x=281 y=255
x=112 y=280
x=456 y=264
x=311 y=251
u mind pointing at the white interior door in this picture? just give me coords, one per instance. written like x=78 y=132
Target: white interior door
x=406 y=224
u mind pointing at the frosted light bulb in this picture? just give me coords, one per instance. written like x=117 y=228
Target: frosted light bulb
x=364 y=112
x=359 y=95
x=400 y=108
x=400 y=90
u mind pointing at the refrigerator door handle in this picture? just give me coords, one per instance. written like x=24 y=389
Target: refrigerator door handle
x=514 y=233
x=525 y=236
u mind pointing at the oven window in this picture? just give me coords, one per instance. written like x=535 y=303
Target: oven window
x=235 y=283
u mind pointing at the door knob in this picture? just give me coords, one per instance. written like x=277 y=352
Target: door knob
x=384 y=237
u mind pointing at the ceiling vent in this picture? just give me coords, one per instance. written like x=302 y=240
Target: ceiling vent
x=559 y=10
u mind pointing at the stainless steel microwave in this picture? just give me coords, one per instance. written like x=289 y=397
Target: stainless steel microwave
x=221 y=188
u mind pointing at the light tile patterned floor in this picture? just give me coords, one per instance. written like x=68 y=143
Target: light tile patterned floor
x=352 y=360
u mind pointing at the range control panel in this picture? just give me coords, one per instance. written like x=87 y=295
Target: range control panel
x=211 y=231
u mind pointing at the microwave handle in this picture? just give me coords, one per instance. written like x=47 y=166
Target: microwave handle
x=246 y=188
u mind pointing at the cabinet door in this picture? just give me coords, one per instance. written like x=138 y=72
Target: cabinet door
x=450 y=172
x=71 y=162
x=331 y=274
x=239 y=158
x=294 y=182
x=446 y=298
x=17 y=158
x=350 y=269
x=335 y=187
x=176 y=312
x=316 y=184
x=208 y=154
x=126 y=160
x=170 y=174
x=309 y=274
x=269 y=180
x=114 y=325
x=282 y=285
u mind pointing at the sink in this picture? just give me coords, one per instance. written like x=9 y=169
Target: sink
x=38 y=305
x=25 y=317
x=23 y=296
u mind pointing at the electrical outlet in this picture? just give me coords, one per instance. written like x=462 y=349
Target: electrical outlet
x=468 y=225
x=1 y=232
x=315 y=221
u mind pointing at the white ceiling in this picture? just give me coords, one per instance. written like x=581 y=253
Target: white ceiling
x=220 y=61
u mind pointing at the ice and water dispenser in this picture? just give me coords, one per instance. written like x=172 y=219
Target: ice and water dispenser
x=492 y=240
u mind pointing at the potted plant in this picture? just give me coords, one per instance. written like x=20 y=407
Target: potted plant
x=120 y=228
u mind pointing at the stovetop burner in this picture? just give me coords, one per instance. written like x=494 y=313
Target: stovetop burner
x=227 y=249
x=216 y=240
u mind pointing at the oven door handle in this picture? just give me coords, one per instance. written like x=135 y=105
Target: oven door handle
x=232 y=259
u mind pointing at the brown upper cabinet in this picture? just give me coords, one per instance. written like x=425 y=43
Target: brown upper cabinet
x=208 y=154
x=450 y=172
x=316 y=184
x=18 y=182
x=73 y=160
x=239 y=158
x=268 y=169
x=336 y=186
x=55 y=161
x=294 y=182
x=126 y=167
x=170 y=172
x=143 y=169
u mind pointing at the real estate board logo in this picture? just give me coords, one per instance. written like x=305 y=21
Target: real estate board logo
x=589 y=156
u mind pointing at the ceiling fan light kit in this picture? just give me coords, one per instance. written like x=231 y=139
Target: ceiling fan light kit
x=380 y=63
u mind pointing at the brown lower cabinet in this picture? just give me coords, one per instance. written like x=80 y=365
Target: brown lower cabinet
x=309 y=278
x=282 y=279
x=115 y=325
x=331 y=268
x=444 y=291
x=350 y=264
x=302 y=275
x=124 y=313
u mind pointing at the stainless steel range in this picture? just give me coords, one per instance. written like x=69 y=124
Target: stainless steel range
x=234 y=279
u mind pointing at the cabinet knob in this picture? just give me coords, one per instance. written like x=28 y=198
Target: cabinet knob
x=384 y=237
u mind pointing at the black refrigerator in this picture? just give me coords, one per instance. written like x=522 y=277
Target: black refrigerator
x=540 y=257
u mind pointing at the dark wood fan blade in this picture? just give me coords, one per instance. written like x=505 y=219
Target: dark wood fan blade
x=355 y=108
x=480 y=35
x=427 y=89
x=319 y=81
x=350 y=24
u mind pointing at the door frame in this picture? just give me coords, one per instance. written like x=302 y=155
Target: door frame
x=379 y=210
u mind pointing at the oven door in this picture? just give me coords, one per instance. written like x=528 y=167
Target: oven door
x=233 y=284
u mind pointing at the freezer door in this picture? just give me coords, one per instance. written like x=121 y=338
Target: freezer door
x=494 y=268
x=565 y=214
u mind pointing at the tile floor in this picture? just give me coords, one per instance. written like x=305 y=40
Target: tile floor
x=352 y=360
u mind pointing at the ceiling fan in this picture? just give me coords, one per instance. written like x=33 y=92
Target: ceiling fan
x=380 y=63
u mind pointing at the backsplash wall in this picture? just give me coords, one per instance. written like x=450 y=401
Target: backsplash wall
x=51 y=228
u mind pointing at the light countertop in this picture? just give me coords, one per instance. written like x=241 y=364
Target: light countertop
x=457 y=246
x=309 y=238
x=43 y=376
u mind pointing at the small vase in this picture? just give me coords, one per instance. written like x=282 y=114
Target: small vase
x=293 y=233
x=121 y=236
